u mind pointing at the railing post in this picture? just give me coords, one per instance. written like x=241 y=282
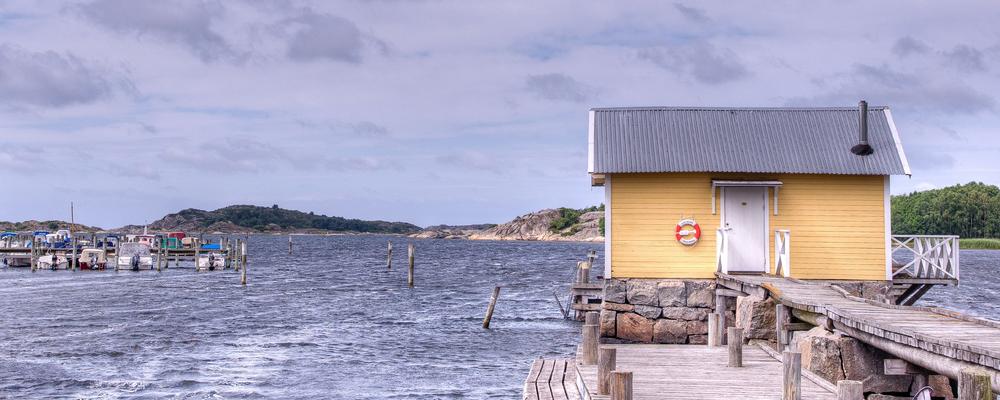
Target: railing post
x=791 y=388
x=621 y=385
x=735 y=339
x=780 y=318
x=605 y=365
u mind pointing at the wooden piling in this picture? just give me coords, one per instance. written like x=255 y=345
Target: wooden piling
x=388 y=257
x=159 y=259
x=850 y=390
x=605 y=365
x=590 y=338
x=791 y=388
x=243 y=255
x=197 y=251
x=409 y=275
x=289 y=244
x=73 y=262
x=974 y=384
x=781 y=317
x=621 y=385
x=734 y=341
x=243 y=273
x=720 y=308
x=34 y=254
x=714 y=333
x=489 y=309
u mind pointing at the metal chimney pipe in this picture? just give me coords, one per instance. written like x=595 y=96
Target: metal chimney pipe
x=862 y=148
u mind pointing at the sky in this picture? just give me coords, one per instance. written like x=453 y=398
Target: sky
x=449 y=112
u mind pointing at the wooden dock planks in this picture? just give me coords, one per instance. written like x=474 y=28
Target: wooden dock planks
x=679 y=372
x=941 y=332
x=551 y=379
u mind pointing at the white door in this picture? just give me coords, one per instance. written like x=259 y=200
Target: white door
x=744 y=210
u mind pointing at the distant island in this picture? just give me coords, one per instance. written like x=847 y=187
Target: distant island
x=257 y=219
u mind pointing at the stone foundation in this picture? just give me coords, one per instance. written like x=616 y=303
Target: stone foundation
x=658 y=310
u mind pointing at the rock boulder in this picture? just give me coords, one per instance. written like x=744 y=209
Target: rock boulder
x=669 y=331
x=756 y=316
x=634 y=327
x=614 y=291
x=641 y=291
x=671 y=294
x=700 y=293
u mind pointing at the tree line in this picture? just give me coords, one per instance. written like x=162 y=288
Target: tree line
x=971 y=210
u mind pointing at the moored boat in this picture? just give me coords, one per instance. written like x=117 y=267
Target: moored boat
x=134 y=256
x=53 y=261
x=91 y=258
x=211 y=261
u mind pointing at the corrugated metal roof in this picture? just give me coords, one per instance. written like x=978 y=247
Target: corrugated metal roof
x=762 y=140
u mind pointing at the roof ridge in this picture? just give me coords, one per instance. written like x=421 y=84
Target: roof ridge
x=698 y=108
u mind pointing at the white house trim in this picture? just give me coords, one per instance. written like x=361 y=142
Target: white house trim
x=888 y=228
x=590 y=143
x=607 y=225
x=899 y=145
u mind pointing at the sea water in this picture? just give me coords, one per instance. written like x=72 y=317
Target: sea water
x=328 y=321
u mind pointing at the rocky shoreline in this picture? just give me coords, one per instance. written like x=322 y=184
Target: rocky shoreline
x=534 y=226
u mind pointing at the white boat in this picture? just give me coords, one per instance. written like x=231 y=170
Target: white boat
x=53 y=262
x=211 y=261
x=134 y=256
x=16 y=260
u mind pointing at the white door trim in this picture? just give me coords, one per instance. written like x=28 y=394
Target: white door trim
x=767 y=224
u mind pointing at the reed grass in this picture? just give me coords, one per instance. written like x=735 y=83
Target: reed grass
x=979 y=244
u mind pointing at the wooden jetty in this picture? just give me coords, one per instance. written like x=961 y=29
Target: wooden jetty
x=551 y=379
x=586 y=295
x=665 y=371
x=934 y=339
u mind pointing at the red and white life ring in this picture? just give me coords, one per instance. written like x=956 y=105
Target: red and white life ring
x=688 y=232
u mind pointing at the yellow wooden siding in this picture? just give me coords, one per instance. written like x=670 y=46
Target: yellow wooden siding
x=837 y=225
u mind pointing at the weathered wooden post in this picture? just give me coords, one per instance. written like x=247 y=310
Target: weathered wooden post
x=590 y=337
x=720 y=308
x=714 y=333
x=409 y=275
x=197 y=250
x=621 y=385
x=388 y=257
x=734 y=340
x=289 y=244
x=489 y=309
x=605 y=365
x=243 y=255
x=159 y=259
x=34 y=252
x=850 y=390
x=243 y=274
x=73 y=261
x=781 y=317
x=974 y=384
x=791 y=388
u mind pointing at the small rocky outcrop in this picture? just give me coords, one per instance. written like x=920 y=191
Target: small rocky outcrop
x=756 y=316
x=536 y=226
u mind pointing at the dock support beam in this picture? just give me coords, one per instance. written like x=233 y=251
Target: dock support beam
x=781 y=318
x=388 y=257
x=621 y=385
x=850 y=390
x=734 y=338
x=974 y=384
x=791 y=388
x=590 y=334
x=606 y=359
x=714 y=333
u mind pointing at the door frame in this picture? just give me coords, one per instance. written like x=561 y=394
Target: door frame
x=767 y=222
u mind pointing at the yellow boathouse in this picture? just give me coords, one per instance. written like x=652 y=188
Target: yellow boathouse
x=692 y=191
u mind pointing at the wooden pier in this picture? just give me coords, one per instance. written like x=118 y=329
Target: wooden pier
x=551 y=379
x=938 y=340
x=677 y=372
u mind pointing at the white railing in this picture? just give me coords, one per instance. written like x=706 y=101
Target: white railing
x=722 y=250
x=782 y=252
x=934 y=256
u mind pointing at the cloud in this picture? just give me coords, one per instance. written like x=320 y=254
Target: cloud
x=320 y=36
x=702 y=60
x=558 y=87
x=360 y=164
x=930 y=158
x=881 y=84
x=691 y=13
x=965 y=59
x=924 y=186
x=907 y=45
x=49 y=79
x=186 y=22
x=369 y=129
x=470 y=160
